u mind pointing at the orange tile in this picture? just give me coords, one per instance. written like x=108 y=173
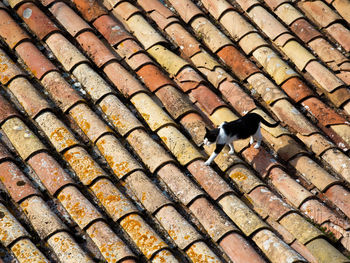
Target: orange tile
x=304 y=30
x=341 y=34
x=90 y=10
x=95 y=49
x=51 y=174
x=138 y=60
x=10 y=31
x=36 y=20
x=38 y=64
x=69 y=19
x=153 y=77
x=15 y=182
x=206 y=98
x=211 y=182
x=297 y=89
x=339 y=96
x=342 y=6
x=128 y=48
x=160 y=14
x=241 y=66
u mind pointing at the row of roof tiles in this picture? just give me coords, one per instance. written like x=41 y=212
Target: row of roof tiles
x=165 y=130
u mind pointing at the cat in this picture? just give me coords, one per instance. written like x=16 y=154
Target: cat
x=227 y=132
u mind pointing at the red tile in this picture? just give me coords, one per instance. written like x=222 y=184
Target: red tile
x=37 y=21
x=297 y=89
x=95 y=48
x=50 y=172
x=112 y=30
x=73 y=23
x=206 y=98
x=10 y=31
x=265 y=200
x=8 y=69
x=341 y=34
x=188 y=79
x=341 y=197
x=211 y=182
x=34 y=59
x=187 y=10
x=240 y=65
x=122 y=79
x=260 y=159
x=162 y=15
x=6 y=110
x=304 y=30
x=153 y=77
x=16 y=183
x=90 y=10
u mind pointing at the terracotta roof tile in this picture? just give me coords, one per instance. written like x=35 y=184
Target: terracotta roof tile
x=273 y=4
x=156 y=6
x=342 y=6
x=125 y=10
x=111 y=246
x=217 y=8
x=50 y=172
x=288 y=13
x=206 y=98
x=187 y=10
x=25 y=249
x=9 y=70
x=304 y=30
x=114 y=202
x=38 y=64
x=194 y=124
x=23 y=139
x=236 y=25
x=37 y=21
x=244 y=178
x=121 y=162
x=339 y=195
x=16 y=183
x=69 y=19
x=164 y=256
x=340 y=97
x=187 y=78
x=183 y=189
x=10 y=31
x=251 y=42
x=247 y=4
x=7 y=111
x=151 y=153
x=95 y=49
x=200 y=250
x=44 y=221
x=323 y=251
x=341 y=34
x=153 y=77
x=283 y=39
x=67 y=248
x=90 y=10
x=298 y=54
x=296 y=89
x=60 y=91
x=15 y=3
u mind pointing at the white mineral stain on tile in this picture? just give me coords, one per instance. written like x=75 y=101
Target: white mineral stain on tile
x=27 y=13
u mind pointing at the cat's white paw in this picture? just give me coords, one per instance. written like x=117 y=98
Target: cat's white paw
x=256 y=146
x=231 y=152
x=207 y=163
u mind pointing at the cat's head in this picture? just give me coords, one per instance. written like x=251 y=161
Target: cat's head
x=210 y=136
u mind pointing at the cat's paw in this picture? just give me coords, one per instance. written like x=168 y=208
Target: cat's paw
x=231 y=152
x=256 y=146
x=207 y=163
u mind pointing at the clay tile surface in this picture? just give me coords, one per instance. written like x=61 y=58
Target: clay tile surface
x=90 y=10
x=6 y=110
x=9 y=69
x=37 y=21
x=304 y=30
x=187 y=9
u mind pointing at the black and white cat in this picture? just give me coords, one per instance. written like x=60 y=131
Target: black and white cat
x=227 y=132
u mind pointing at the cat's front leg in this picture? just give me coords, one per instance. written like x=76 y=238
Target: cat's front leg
x=232 y=150
x=217 y=150
x=258 y=138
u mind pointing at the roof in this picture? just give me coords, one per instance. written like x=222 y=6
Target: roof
x=103 y=109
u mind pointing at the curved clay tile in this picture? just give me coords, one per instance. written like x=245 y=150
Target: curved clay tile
x=90 y=10
x=343 y=8
x=288 y=13
x=341 y=34
x=186 y=9
x=9 y=70
x=217 y=8
x=249 y=43
x=298 y=54
x=304 y=30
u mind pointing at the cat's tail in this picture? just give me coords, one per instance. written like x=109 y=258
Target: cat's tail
x=271 y=125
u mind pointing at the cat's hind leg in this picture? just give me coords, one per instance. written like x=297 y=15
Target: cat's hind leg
x=217 y=150
x=258 y=137
x=232 y=150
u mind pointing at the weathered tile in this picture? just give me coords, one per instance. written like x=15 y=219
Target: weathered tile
x=339 y=162
x=209 y=180
x=275 y=249
x=210 y=35
x=151 y=153
x=244 y=178
x=247 y=4
x=11 y=229
x=339 y=196
x=10 y=31
x=247 y=221
x=236 y=25
x=95 y=49
x=313 y=172
x=296 y=89
x=206 y=99
x=241 y=66
x=44 y=221
x=217 y=8
x=182 y=187
x=90 y=10
x=153 y=77
x=15 y=182
x=325 y=252
x=9 y=70
x=38 y=64
x=316 y=142
x=164 y=256
x=122 y=79
x=342 y=6
x=341 y=34
x=145 y=238
x=113 y=201
x=250 y=42
x=65 y=51
x=51 y=174
x=277 y=131
x=25 y=250
x=266 y=202
x=298 y=54
x=318 y=12
x=121 y=161
x=67 y=249
x=304 y=30
x=214 y=223
x=152 y=113
x=283 y=39
x=83 y=165
x=188 y=79
x=36 y=20
x=111 y=246
x=200 y=251
x=285 y=234
x=60 y=91
x=7 y=111
x=186 y=9
x=194 y=125
x=138 y=60
x=69 y=19
x=267 y=23
x=273 y=4
x=294 y=192
x=89 y=122
x=222 y=114
x=24 y=140
x=29 y=97
x=287 y=13
x=339 y=97
x=79 y=208
x=125 y=10
x=177 y=227
x=237 y=248
x=128 y=48
x=184 y=151
x=58 y=133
